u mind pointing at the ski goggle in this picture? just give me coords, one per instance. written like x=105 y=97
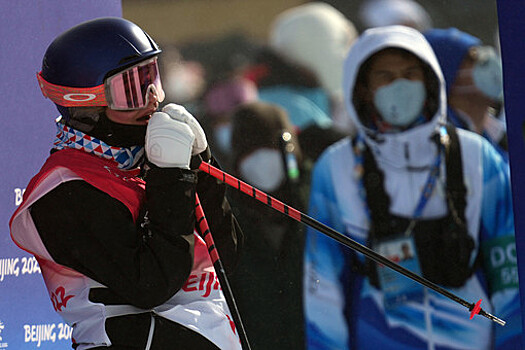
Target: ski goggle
x=126 y=90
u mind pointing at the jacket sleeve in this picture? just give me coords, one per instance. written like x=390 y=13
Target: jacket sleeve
x=324 y=301
x=499 y=249
x=143 y=263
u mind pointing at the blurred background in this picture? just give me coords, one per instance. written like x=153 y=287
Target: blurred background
x=204 y=40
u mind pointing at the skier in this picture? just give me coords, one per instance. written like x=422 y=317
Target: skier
x=114 y=231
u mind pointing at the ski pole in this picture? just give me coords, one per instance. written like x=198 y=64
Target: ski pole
x=205 y=233
x=295 y=214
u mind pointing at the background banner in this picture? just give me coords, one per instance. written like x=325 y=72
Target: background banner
x=27 y=318
x=511 y=15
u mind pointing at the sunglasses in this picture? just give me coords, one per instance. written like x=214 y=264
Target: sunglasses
x=126 y=90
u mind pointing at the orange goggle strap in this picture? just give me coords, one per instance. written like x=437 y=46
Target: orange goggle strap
x=72 y=96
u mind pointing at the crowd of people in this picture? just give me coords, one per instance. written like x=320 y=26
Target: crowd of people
x=394 y=137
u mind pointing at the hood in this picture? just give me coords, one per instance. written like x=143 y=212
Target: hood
x=372 y=41
x=450 y=46
x=317 y=36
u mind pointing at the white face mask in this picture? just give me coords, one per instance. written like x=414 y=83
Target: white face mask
x=264 y=169
x=400 y=102
x=487 y=75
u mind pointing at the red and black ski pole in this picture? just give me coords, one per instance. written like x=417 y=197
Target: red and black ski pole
x=205 y=233
x=295 y=214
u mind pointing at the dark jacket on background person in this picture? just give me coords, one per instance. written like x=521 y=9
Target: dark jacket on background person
x=267 y=281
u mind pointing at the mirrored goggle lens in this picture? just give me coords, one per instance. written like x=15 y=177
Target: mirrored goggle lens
x=130 y=89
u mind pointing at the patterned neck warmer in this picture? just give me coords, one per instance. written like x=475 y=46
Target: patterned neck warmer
x=127 y=158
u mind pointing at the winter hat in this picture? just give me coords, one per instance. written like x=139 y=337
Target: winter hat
x=259 y=125
x=225 y=95
x=317 y=36
x=450 y=46
x=380 y=13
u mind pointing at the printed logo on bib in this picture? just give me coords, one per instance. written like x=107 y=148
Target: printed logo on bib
x=500 y=257
x=60 y=299
x=204 y=283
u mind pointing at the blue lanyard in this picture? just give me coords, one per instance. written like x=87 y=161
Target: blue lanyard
x=427 y=189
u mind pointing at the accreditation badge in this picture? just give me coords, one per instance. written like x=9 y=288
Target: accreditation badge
x=397 y=288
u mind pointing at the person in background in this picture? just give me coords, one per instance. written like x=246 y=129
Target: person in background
x=380 y=13
x=218 y=102
x=407 y=177
x=474 y=81
x=267 y=282
x=111 y=214
x=300 y=70
x=317 y=36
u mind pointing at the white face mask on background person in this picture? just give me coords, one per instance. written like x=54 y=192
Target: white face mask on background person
x=400 y=102
x=264 y=169
x=487 y=75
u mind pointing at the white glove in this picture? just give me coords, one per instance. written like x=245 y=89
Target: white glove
x=178 y=112
x=168 y=142
x=172 y=136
